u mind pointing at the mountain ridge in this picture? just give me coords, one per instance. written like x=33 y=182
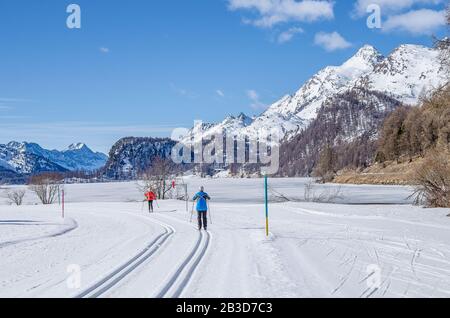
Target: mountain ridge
x=25 y=158
x=407 y=73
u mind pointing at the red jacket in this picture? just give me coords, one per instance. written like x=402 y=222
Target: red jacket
x=151 y=196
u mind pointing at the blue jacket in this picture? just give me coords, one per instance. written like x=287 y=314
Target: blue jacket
x=201 y=198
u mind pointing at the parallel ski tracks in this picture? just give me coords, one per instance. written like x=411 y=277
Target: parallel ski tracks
x=178 y=279
x=181 y=277
x=111 y=280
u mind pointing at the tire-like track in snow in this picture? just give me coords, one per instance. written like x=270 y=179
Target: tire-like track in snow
x=107 y=283
x=182 y=275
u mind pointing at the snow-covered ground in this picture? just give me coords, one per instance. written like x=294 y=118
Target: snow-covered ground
x=370 y=243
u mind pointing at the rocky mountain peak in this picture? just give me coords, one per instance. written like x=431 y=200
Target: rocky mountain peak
x=77 y=146
x=365 y=58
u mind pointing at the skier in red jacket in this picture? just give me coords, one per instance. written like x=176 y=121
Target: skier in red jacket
x=150 y=196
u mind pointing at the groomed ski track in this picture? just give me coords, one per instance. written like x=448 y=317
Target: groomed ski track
x=178 y=278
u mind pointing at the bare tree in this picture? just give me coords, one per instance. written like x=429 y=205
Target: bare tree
x=311 y=194
x=433 y=181
x=158 y=177
x=15 y=196
x=325 y=171
x=328 y=195
x=46 y=186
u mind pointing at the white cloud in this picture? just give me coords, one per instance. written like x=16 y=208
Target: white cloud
x=183 y=91
x=9 y=117
x=104 y=50
x=7 y=103
x=252 y=94
x=331 y=41
x=254 y=97
x=14 y=100
x=272 y=12
x=220 y=93
x=288 y=35
x=418 y=22
x=391 y=6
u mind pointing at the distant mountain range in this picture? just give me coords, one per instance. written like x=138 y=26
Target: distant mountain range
x=22 y=158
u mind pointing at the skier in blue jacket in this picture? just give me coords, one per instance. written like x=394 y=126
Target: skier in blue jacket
x=202 y=208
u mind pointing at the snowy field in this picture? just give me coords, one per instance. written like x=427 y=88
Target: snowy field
x=371 y=242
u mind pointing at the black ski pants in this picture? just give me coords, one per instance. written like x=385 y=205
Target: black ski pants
x=150 y=206
x=202 y=219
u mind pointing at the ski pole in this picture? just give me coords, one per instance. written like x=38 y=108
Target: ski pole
x=192 y=210
x=209 y=212
x=142 y=206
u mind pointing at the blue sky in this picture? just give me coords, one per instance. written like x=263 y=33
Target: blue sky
x=142 y=68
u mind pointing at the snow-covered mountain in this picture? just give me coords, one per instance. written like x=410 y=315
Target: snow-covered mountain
x=229 y=125
x=81 y=157
x=131 y=156
x=408 y=72
x=349 y=123
x=30 y=158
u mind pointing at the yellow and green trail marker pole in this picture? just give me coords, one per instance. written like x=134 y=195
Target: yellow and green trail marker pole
x=266 y=190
